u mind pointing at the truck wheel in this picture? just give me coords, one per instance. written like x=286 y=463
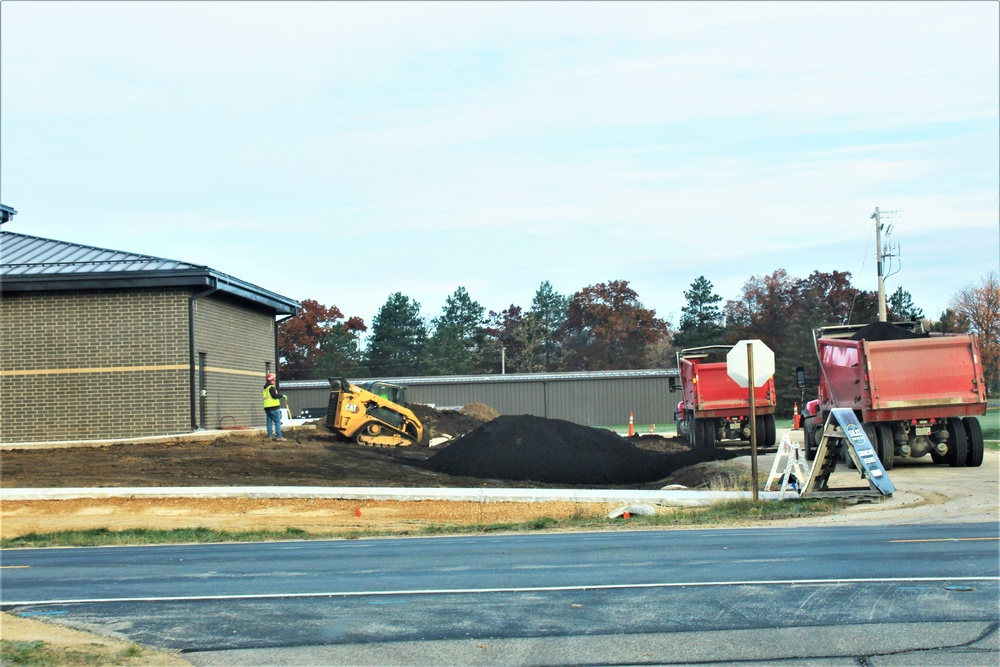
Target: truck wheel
x=958 y=448
x=770 y=431
x=692 y=434
x=974 y=435
x=707 y=433
x=808 y=441
x=886 y=446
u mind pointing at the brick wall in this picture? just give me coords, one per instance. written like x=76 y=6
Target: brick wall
x=238 y=344
x=94 y=365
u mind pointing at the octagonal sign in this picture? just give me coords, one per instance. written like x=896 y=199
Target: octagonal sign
x=737 y=363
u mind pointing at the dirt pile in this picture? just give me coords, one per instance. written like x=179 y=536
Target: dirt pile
x=553 y=451
x=453 y=423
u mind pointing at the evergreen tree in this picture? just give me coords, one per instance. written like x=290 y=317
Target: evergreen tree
x=701 y=318
x=456 y=346
x=951 y=322
x=901 y=308
x=399 y=337
x=545 y=321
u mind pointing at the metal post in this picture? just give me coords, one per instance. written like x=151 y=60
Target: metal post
x=753 y=424
x=503 y=361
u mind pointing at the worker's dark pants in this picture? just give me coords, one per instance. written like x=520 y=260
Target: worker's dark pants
x=273 y=422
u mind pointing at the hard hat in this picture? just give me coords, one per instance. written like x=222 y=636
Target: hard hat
x=270 y=377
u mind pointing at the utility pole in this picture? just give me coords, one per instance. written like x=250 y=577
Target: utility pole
x=882 y=317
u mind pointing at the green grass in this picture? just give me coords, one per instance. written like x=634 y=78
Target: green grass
x=719 y=513
x=142 y=536
x=40 y=654
x=991 y=428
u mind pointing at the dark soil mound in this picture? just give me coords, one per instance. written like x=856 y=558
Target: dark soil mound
x=553 y=451
x=884 y=331
x=454 y=423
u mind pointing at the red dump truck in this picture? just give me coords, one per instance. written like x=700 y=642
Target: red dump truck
x=714 y=407
x=914 y=393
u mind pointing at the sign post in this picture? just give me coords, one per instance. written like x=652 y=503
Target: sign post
x=741 y=368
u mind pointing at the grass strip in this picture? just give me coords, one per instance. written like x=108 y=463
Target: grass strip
x=41 y=654
x=722 y=513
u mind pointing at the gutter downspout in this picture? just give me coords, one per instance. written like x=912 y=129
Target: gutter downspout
x=194 y=407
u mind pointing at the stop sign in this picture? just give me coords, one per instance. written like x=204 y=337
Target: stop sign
x=737 y=364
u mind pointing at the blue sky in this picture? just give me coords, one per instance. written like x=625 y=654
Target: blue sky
x=343 y=151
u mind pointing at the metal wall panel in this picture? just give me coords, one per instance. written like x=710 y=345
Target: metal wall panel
x=591 y=400
x=305 y=397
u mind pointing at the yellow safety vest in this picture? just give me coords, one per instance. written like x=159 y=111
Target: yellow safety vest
x=269 y=401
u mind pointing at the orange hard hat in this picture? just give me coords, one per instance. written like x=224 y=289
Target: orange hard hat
x=270 y=377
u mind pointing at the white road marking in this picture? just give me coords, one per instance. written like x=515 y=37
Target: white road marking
x=479 y=591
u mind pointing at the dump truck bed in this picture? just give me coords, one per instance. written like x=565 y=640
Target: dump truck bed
x=935 y=376
x=715 y=394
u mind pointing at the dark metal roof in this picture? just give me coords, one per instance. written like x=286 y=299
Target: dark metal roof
x=33 y=264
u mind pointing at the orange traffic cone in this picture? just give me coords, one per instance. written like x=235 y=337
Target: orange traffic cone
x=651 y=429
x=796 y=417
x=631 y=428
x=357 y=512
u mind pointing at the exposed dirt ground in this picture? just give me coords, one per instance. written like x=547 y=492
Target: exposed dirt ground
x=312 y=456
x=486 y=451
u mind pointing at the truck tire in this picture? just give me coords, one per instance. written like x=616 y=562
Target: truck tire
x=974 y=435
x=886 y=446
x=708 y=440
x=692 y=430
x=958 y=448
x=770 y=431
x=809 y=441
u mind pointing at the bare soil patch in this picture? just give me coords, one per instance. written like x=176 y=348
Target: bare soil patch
x=487 y=451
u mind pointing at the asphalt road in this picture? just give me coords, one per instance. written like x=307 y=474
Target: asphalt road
x=881 y=595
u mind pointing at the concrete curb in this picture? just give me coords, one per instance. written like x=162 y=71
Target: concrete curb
x=671 y=498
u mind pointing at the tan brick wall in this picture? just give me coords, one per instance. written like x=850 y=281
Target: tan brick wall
x=238 y=344
x=94 y=365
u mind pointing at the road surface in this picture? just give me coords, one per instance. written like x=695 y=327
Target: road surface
x=888 y=595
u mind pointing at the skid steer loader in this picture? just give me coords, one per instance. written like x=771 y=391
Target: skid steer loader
x=373 y=414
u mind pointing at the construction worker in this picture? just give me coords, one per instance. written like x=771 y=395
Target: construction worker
x=272 y=408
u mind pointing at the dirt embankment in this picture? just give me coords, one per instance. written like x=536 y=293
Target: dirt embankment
x=486 y=451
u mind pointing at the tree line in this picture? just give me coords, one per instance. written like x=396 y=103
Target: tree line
x=606 y=327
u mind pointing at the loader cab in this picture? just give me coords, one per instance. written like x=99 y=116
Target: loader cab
x=390 y=392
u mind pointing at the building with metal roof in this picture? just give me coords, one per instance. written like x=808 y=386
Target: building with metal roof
x=104 y=344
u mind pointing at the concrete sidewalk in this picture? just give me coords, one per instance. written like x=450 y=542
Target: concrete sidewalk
x=665 y=497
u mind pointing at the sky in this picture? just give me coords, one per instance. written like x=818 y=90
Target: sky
x=345 y=151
